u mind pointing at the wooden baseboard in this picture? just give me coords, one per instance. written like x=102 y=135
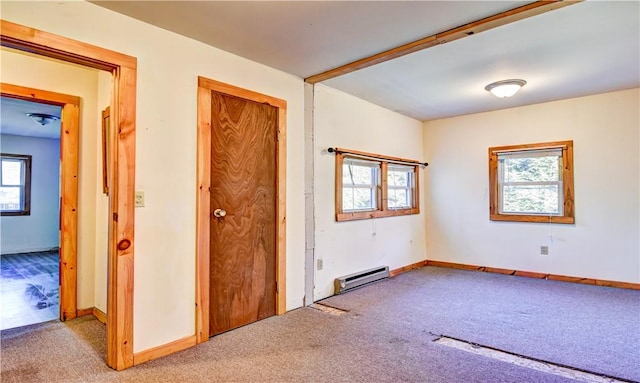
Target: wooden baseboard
x=100 y=315
x=163 y=350
x=96 y=312
x=530 y=274
x=84 y=312
x=410 y=267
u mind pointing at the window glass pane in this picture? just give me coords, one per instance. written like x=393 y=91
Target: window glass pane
x=11 y=172
x=399 y=175
x=531 y=169
x=359 y=173
x=536 y=199
x=10 y=198
x=399 y=178
x=347 y=199
x=358 y=199
x=363 y=199
x=399 y=198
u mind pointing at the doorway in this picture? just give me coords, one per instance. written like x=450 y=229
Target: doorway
x=29 y=199
x=121 y=175
x=68 y=187
x=240 y=270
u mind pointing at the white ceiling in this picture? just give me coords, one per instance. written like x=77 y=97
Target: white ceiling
x=14 y=119
x=587 y=48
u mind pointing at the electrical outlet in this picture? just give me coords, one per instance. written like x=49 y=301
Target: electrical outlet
x=544 y=250
x=319 y=264
x=139 y=199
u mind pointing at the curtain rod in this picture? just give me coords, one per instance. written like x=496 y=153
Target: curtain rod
x=541 y=148
x=377 y=157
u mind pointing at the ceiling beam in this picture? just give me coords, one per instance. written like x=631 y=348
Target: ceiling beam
x=465 y=30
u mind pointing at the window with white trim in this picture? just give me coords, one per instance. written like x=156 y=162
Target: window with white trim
x=532 y=183
x=15 y=184
x=360 y=183
x=400 y=186
x=373 y=186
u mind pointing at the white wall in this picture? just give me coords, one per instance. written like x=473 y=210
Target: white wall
x=347 y=247
x=39 y=230
x=36 y=72
x=604 y=243
x=168 y=67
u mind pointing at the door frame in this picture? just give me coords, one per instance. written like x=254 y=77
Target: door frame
x=203 y=196
x=68 y=215
x=121 y=174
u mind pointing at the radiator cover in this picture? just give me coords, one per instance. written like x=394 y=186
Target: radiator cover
x=362 y=278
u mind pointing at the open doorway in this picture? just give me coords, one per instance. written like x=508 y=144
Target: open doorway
x=29 y=205
x=121 y=174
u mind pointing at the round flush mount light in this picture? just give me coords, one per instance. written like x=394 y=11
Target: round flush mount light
x=42 y=119
x=505 y=88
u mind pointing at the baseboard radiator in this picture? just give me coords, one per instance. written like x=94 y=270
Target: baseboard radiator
x=353 y=281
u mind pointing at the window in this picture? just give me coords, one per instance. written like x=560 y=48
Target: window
x=400 y=186
x=15 y=184
x=532 y=183
x=360 y=180
x=372 y=186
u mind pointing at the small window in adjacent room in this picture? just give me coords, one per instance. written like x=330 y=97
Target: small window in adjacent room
x=532 y=183
x=372 y=186
x=15 y=184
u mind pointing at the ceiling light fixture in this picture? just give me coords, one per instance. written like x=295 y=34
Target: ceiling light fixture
x=505 y=88
x=42 y=119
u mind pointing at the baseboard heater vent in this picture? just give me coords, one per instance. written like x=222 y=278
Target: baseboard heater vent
x=352 y=281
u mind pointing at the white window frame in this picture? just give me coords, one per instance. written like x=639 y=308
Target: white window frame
x=565 y=183
x=557 y=152
x=410 y=170
x=374 y=186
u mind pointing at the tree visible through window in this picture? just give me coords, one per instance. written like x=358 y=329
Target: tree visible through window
x=15 y=184
x=532 y=183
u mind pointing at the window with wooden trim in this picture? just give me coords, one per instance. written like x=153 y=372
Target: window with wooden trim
x=532 y=183
x=373 y=186
x=15 y=184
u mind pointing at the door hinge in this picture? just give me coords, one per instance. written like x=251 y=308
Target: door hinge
x=278 y=135
x=277 y=288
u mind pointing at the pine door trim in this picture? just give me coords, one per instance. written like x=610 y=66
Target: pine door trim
x=203 y=201
x=122 y=174
x=68 y=215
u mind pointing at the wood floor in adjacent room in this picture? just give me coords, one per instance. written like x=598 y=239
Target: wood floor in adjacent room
x=389 y=332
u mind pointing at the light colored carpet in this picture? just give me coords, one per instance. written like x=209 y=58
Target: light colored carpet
x=386 y=336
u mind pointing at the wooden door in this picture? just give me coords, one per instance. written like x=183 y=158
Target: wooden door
x=243 y=212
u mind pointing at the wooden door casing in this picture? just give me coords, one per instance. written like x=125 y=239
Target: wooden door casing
x=243 y=183
x=203 y=197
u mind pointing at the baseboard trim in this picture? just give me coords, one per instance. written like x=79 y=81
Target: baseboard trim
x=163 y=350
x=530 y=274
x=410 y=267
x=84 y=312
x=96 y=312
x=100 y=315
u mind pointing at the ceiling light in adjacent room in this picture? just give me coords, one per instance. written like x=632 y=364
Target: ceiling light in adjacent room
x=42 y=119
x=505 y=88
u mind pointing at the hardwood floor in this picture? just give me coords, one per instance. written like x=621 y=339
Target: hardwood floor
x=29 y=288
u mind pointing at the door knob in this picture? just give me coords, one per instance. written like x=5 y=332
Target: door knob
x=219 y=213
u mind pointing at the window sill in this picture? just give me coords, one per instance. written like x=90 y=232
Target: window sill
x=353 y=216
x=14 y=213
x=532 y=218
